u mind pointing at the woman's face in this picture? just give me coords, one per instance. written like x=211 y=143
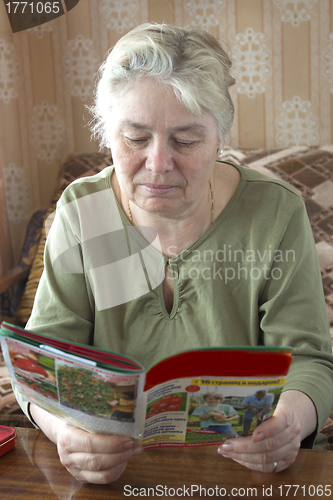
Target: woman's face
x=163 y=155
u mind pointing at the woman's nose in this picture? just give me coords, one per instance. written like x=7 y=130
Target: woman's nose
x=159 y=158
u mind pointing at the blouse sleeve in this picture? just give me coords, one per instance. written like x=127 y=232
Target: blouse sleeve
x=292 y=312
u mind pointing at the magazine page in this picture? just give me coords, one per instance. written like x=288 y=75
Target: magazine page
x=111 y=359
x=206 y=410
x=75 y=389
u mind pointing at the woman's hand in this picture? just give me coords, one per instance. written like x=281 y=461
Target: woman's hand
x=278 y=439
x=94 y=458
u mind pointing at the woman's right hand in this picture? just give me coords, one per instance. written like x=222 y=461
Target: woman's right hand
x=93 y=458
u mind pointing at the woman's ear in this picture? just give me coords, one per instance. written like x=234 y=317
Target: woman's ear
x=220 y=146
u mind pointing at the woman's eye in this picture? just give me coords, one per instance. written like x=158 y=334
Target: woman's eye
x=136 y=141
x=186 y=144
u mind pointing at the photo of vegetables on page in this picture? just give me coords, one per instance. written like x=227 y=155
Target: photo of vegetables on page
x=191 y=398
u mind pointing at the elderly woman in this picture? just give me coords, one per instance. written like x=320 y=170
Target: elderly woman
x=238 y=261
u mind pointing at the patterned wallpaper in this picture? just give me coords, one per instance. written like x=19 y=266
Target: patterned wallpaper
x=282 y=52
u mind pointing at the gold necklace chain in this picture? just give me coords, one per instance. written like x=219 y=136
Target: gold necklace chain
x=211 y=214
x=212 y=198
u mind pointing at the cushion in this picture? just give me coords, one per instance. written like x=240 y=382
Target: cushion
x=76 y=166
x=27 y=299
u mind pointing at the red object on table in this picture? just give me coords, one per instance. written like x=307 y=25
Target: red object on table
x=7 y=439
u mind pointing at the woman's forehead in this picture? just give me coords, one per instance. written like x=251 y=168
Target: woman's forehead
x=147 y=103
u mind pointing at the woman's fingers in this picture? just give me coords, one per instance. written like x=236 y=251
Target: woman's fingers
x=98 y=477
x=275 y=441
x=94 y=457
x=288 y=453
x=98 y=461
x=74 y=440
x=263 y=460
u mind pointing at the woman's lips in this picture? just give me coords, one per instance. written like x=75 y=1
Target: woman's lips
x=158 y=189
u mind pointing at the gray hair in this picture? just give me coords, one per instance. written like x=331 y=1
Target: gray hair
x=191 y=61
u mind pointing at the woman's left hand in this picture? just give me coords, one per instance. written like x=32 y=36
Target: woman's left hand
x=275 y=441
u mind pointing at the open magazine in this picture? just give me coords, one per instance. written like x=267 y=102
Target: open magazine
x=195 y=397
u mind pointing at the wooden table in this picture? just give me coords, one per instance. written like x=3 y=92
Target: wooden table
x=33 y=471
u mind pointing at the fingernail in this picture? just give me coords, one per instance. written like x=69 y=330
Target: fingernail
x=137 y=451
x=127 y=445
x=227 y=447
x=258 y=437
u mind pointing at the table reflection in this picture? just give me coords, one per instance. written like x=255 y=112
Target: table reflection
x=32 y=471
